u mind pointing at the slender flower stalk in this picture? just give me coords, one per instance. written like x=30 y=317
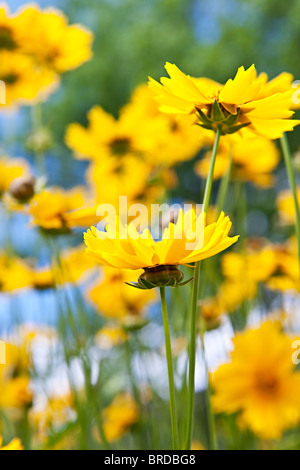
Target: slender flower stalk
x=174 y=423
x=195 y=296
x=210 y=175
x=212 y=439
x=223 y=189
x=292 y=180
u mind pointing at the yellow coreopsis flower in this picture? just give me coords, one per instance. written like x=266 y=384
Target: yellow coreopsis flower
x=119 y=416
x=25 y=82
x=187 y=241
x=54 y=44
x=104 y=137
x=246 y=103
x=107 y=136
x=15 y=444
x=141 y=130
x=57 y=209
x=260 y=382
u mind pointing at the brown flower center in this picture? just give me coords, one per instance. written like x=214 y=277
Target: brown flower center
x=10 y=79
x=267 y=384
x=120 y=146
x=6 y=39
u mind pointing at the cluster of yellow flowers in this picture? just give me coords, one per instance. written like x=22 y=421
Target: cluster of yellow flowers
x=36 y=47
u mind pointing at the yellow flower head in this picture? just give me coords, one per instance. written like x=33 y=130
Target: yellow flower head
x=25 y=82
x=105 y=136
x=57 y=209
x=50 y=40
x=260 y=382
x=244 y=102
x=187 y=241
x=141 y=131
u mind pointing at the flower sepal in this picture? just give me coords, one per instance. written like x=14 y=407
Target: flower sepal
x=217 y=117
x=160 y=276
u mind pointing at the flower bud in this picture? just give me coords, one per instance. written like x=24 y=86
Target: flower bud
x=39 y=141
x=22 y=188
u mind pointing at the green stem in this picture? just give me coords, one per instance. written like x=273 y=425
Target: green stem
x=210 y=175
x=195 y=296
x=292 y=180
x=192 y=359
x=174 y=424
x=212 y=440
x=221 y=199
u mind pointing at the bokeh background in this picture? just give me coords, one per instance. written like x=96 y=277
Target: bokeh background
x=133 y=40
